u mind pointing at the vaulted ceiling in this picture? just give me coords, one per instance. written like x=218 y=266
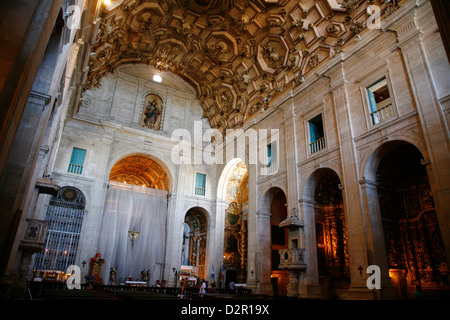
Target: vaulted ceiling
x=142 y=171
x=239 y=55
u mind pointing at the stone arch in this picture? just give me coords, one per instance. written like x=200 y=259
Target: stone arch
x=313 y=176
x=398 y=197
x=205 y=212
x=227 y=171
x=323 y=212
x=268 y=196
x=232 y=214
x=272 y=211
x=195 y=249
x=142 y=169
x=372 y=158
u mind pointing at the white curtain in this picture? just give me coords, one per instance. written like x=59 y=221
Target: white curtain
x=127 y=208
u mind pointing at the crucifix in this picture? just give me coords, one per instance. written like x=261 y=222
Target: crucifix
x=360 y=268
x=133 y=235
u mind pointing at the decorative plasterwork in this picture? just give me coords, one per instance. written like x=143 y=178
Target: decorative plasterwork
x=240 y=55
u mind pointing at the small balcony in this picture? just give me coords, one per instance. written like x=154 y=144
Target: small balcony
x=75 y=168
x=382 y=114
x=199 y=191
x=317 y=145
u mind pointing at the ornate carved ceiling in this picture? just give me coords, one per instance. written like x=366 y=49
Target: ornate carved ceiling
x=239 y=55
x=142 y=171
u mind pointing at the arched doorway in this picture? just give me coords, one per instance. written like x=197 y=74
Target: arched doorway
x=235 y=224
x=278 y=213
x=413 y=243
x=194 y=248
x=132 y=237
x=274 y=211
x=331 y=233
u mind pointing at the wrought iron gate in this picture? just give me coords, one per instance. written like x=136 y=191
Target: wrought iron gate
x=65 y=214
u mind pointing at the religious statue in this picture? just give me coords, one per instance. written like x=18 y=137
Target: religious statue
x=113 y=276
x=145 y=275
x=152 y=112
x=96 y=268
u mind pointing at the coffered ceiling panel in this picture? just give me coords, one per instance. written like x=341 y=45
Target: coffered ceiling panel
x=142 y=171
x=239 y=55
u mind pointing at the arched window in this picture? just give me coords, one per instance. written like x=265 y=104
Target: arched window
x=65 y=216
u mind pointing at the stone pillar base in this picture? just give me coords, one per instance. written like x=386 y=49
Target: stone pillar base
x=363 y=293
x=265 y=288
x=357 y=294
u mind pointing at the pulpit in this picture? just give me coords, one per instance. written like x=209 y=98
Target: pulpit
x=33 y=242
x=292 y=260
x=96 y=268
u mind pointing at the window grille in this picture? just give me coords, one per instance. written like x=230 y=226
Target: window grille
x=65 y=214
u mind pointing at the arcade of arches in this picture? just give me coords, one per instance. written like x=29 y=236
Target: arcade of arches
x=111 y=156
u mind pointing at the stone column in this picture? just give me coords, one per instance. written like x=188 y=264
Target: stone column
x=294 y=222
x=210 y=249
x=310 y=287
x=15 y=183
x=173 y=236
x=291 y=161
x=411 y=37
x=252 y=230
x=264 y=252
x=218 y=248
x=356 y=236
x=375 y=236
x=96 y=191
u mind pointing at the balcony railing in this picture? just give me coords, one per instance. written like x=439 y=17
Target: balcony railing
x=199 y=191
x=272 y=167
x=317 y=145
x=75 y=168
x=382 y=114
